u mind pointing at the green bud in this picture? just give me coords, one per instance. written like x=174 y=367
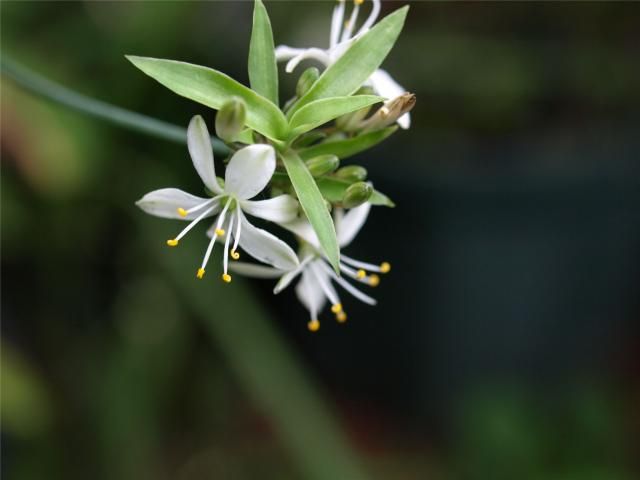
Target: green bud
x=365 y=90
x=309 y=138
x=356 y=194
x=350 y=122
x=352 y=173
x=308 y=78
x=230 y=119
x=322 y=165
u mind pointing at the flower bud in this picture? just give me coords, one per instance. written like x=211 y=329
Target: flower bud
x=390 y=112
x=356 y=194
x=230 y=119
x=352 y=173
x=308 y=78
x=322 y=165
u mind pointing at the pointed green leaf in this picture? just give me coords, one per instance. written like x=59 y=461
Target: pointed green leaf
x=322 y=111
x=348 y=146
x=213 y=89
x=263 y=70
x=313 y=205
x=333 y=190
x=357 y=64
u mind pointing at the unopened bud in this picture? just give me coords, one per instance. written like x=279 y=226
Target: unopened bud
x=322 y=165
x=356 y=194
x=352 y=173
x=308 y=78
x=390 y=112
x=230 y=119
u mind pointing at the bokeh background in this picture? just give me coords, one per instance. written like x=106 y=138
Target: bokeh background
x=505 y=342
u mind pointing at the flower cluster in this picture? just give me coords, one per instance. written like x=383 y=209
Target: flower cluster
x=283 y=164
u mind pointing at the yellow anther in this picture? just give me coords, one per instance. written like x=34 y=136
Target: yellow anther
x=374 y=280
x=200 y=273
x=182 y=212
x=358 y=2
x=361 y=273
x=341 y=317
x=385 y=267
x=313 y=325
x=235 y=255
x=219 y=232
x=337 y=308
x=172 y=243
x=226 y=278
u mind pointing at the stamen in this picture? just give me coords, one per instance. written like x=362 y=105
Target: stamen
x=207 y=254
x=226 y=278
x=375 y=11
x=183 y=213
x=384 y=267
x=361 y=273
x=341 y=317
x=358 y=2
x=363 y=297
x=336 y=308
x=221 y=217
x=225 y=257
x=313 y=325
x=374 y=280
x=348 y=27
x=200 y=273
x=236 y=237
x=174 y=242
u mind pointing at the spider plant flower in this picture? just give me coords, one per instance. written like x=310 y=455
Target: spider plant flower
x=316 y=285
x=341 y=37
x=247 y=174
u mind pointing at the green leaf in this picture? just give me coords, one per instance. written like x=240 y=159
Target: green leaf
x=333 y=190
x=263 y=70
x=213 y=89
x=313 y=205
x=322 y=111
x=347 y=147
x=357 y=64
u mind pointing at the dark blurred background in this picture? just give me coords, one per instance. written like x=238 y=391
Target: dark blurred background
x=505 y=342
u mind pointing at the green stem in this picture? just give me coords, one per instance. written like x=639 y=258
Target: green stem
x=44 y=87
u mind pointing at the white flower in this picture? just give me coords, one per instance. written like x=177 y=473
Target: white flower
x=317 y=277
x=246 y=175
x=341 y=38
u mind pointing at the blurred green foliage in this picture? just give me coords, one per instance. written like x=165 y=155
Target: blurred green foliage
x=108 y=365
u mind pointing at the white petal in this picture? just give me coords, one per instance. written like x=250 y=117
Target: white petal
x=404 y=121
x=283 y=52
x=302 y=228
x=254 y=270
x=310 y=294
x=250 y=170
x=351 y=223
x=166 y=201
x=199 y=143
x=280 y=209
x=385 y=85
x=266 y=247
